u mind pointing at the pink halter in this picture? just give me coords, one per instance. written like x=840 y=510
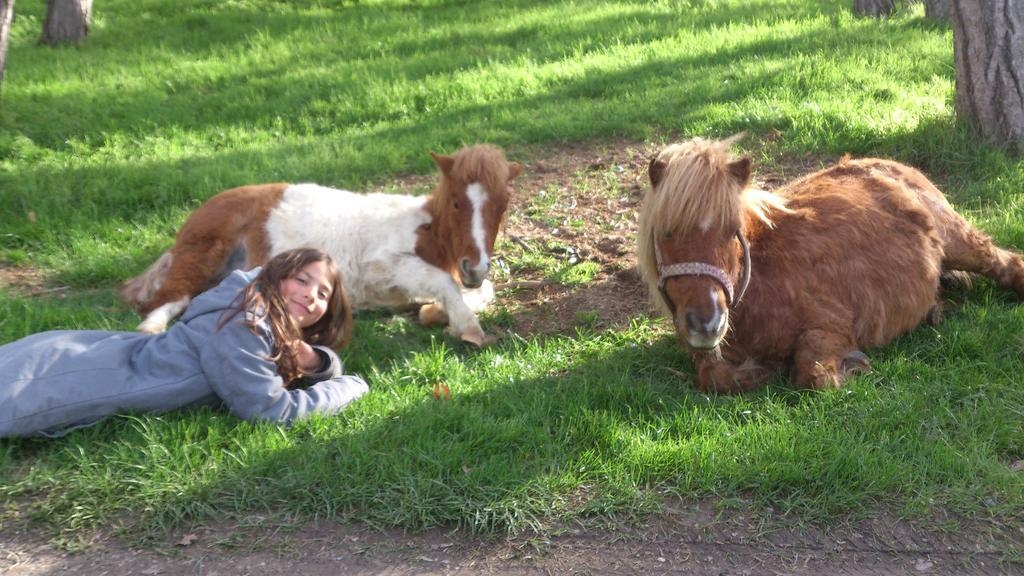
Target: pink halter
x=704 y=269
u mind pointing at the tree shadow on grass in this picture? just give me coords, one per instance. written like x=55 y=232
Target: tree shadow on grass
x=243 y=96
x=492 y=457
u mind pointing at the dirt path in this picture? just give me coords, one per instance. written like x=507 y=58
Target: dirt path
x=692 y=539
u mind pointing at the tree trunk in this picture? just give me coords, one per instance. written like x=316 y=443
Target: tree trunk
x=66 y=21
x=874 y=8
x=6 y=13
x=937 y=9
x=988 y=49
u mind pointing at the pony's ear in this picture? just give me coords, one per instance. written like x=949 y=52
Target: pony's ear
x=445 y=163
x=514 y=169
x=655 y=170
x=740 y=170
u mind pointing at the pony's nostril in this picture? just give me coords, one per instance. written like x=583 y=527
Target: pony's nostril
x=693 y=322
x=464 y=267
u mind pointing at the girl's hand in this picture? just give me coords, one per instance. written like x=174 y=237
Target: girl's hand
x=309 y=360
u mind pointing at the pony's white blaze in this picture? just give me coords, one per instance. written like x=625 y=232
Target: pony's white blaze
x=477 y=198
x=718 y=318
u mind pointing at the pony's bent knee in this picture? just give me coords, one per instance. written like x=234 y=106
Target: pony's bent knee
x=433 y=314
x=726 y=378
x=156 y=321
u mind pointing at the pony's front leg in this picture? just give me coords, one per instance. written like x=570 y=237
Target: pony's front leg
x=418 y=279
x=826 y=359
x=434 y=314
x=716 y=374
x=478 y=298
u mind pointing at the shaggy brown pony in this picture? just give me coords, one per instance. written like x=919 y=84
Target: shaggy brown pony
x=841 y=260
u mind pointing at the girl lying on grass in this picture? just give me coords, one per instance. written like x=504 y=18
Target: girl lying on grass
x=260 y=343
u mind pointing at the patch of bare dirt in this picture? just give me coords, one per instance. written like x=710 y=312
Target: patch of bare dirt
x=26 y=281
x=687 y=538
x=610 y=302
x=592 y=194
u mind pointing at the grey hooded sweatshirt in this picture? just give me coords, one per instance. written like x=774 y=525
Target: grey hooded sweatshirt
x=56 y=381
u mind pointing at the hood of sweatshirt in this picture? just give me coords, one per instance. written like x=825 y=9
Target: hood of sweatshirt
x=222 y=297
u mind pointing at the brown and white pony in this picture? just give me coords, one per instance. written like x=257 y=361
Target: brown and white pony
x=841 y=260
x=392 y=250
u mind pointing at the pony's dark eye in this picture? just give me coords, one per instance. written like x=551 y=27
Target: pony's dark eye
x=456 y=204
x=668 y=235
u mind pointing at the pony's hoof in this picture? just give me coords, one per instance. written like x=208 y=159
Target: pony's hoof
x=151 y=327
x=823 y=378
x=433 y=315
x=854 y=363
x=477 y=337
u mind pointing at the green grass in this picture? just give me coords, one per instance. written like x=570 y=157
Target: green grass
x=108 y=146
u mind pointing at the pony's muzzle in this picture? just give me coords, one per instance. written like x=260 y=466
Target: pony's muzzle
x=699 y=332
x=472 y=276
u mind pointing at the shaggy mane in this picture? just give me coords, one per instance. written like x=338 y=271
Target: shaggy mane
x=696 y=190
x=481 y=163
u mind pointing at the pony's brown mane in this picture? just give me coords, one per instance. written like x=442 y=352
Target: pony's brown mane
x=696 y=190
x=480 y=163
x=700 y=190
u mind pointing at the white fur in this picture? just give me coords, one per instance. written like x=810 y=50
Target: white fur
x=718 y=319
x=142 y=288
x=477 y=198
x=156 y=321
x=478 y=298
x=372 y=238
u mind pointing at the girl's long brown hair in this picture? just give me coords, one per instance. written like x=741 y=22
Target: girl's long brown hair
x=262 y=299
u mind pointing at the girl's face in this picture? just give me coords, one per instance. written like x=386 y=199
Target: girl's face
x=305 y=294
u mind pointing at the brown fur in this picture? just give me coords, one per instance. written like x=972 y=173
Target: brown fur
x=444 y=240
x=205 y=242
x=846 y=258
